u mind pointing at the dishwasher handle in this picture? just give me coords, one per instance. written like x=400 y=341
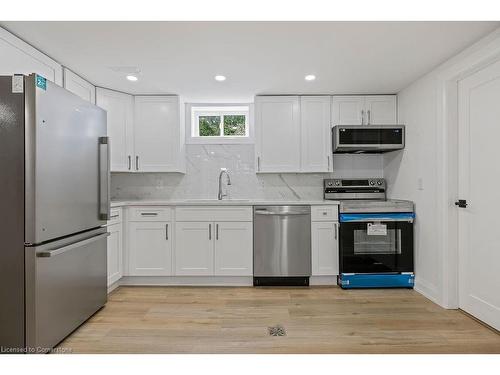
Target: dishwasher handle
x=280 y=213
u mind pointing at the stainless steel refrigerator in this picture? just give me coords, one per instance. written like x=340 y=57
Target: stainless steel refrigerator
x=54 y=201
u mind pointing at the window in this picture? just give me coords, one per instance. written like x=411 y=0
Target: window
x=217 y=123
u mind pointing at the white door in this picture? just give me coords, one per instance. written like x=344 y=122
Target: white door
x=115 y=268
x=150 y=249
x=233 y=249
x=479 y=179
x=348 y=110
x=119 y=108
x=315 y=133
x=78 y=86
x=157 y=133
x=381 y=110
x=277 y=134
x=325 y=248
x=194 y=248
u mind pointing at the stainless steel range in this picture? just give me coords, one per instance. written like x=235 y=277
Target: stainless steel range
x=376 y=234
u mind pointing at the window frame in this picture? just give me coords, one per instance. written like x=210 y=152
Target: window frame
x=195 y=110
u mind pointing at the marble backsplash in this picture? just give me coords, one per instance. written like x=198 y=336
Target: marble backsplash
x=203 y=163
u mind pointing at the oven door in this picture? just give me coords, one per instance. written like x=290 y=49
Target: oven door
x=376 y=243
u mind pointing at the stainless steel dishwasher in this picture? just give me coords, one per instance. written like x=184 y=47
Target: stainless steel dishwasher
x=282 y=245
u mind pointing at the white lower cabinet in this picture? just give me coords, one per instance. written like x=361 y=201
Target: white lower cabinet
x=233 y=249
x=115 y=261
x=325 y=248
x=150 y=248
x=194 y=249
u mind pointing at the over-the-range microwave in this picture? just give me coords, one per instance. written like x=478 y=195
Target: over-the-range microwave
x=367 y=138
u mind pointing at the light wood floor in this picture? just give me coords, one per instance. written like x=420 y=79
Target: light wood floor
x=317 y=320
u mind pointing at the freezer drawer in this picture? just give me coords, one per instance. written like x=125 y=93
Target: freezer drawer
x=66 y=283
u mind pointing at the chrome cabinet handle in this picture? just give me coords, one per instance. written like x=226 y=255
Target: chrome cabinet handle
x=75 y=245
x=209 y=232
x=328 y=157
x=137 y=162
x=216 y=231
x=166 y=232
x=149 y=213
x=129 y=162
x=113 y=216
x=362 y=117
x=258 y=163
x=369 y=117
x=104 y=179
x=335 y=226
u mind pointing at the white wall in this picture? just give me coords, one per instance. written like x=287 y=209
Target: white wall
x=426 y=171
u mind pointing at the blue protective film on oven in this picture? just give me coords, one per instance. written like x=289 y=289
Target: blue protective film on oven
x=352 y=281
x=344 y=218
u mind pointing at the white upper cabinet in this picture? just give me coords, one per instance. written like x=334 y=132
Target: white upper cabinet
x=277 y=133
x=381 y=109
x=78 y=86
x=315 y=133
x=119 y=107
x=348 y=110
x=364 y=110
x=18 y=57
x=157 y=134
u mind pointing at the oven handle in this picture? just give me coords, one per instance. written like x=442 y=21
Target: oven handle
x=389 y=217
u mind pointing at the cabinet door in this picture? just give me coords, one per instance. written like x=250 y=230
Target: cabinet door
x=348 y=110
x=325 y=250
x=119 y=108
x=19 y=57
x=277 y=134
x=194 y=248
x=315 y=133
x=381 y=109
x=233 y=248
x=157 y=133
x=115 y=261
x=150 y=249
x=78 y=86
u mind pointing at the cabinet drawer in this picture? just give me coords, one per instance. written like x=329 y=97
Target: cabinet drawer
x=115 y=217
x=324 y=213
x=150 y=214
x=213 y=213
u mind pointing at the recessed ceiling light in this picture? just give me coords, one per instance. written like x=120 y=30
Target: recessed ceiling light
x=132 y=78
x=310 y=77
x=220 y=78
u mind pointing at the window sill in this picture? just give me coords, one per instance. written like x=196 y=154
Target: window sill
x=219 y=141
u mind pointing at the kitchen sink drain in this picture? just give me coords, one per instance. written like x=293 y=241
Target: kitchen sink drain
x=278 y=330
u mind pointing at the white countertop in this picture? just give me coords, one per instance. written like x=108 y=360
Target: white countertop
x=215 y=202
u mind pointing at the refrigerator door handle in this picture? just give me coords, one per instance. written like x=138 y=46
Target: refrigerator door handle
x=104 y=179
x=61 y=250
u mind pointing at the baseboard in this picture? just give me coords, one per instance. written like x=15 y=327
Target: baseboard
x=187 y=280
x=323 y=280
x=113 y=286
x=427 y=291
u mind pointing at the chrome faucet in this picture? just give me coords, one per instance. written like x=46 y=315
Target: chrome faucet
x=223 y=171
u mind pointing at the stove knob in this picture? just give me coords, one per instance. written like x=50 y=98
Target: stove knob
x=372 y=183
x=337 y=183
x=330 y=183
x=379 y=182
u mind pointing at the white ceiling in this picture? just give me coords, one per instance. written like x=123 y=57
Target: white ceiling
x=257 y=57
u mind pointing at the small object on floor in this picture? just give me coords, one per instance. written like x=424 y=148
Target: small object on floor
x=278 y=330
